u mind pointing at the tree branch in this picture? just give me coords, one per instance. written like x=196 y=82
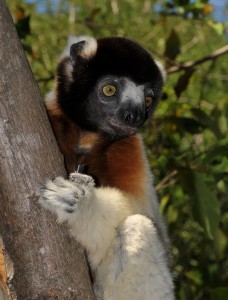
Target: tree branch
x=42 y=261
x=190 y=64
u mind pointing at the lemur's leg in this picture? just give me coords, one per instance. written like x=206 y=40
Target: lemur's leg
x=92 y=213
x=136 y=267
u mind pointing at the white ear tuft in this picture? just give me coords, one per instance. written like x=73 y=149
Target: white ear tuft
x=162 y=70
x=89 y=49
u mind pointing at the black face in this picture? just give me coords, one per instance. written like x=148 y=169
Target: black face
x=115 y=106
x=118 y=106
x=112 y=92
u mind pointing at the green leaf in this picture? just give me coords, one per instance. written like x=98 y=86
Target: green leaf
x=195 y=276
x=183 y=82
x=205 y=207
x=185 y=124
x=172 y=48
x=216 y=158
x=219 y=294
x=207 y=121
x=217 y=26
x=222 y=167
x=216 y=152
x=202 y=116
x=220 y=244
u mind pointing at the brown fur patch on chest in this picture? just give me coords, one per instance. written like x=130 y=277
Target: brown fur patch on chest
x=118 y=164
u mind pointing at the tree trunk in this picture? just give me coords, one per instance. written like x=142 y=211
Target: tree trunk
x=42 y=260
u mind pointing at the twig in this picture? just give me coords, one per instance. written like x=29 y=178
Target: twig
x=162 y=56
x=166 y=181
x=191 y=64
x=51 y=77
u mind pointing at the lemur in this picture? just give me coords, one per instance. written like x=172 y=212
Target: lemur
x=104 y=91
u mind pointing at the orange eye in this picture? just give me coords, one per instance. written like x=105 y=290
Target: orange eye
x=109 y=90
x=149 y=101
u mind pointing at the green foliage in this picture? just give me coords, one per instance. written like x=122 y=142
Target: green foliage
x=187 y=141
x=205 y=206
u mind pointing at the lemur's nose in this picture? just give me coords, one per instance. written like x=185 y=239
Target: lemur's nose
x=129 y=117
x=133 y=114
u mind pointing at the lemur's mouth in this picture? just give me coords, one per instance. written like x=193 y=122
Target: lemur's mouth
x=121 y=127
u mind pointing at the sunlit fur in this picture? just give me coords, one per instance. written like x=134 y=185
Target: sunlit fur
x=113 y=211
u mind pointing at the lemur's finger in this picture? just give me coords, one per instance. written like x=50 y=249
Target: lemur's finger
x=82 y=179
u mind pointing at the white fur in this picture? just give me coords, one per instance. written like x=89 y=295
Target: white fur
x=162 y=70
x=124 y=248
x=89 y=50
x=133 y=91
x=50 y=98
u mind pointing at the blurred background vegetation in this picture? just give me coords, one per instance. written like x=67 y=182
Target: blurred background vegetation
x=187 y=138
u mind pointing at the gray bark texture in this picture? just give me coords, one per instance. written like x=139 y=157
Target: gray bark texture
x=42 y=260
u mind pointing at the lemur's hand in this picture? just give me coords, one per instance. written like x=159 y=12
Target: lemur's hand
x=64 y=196
x=82 y=179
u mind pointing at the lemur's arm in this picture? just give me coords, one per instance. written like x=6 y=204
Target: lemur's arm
x=92 y=213
x=125 y=245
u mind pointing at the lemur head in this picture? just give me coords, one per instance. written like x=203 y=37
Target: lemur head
x=109 y=85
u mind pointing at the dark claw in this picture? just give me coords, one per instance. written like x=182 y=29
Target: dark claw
x=69 y=210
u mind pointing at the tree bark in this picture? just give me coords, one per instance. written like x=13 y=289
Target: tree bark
x=42 y=260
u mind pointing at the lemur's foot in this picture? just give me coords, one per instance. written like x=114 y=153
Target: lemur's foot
x=64 y=196
x=82 y=179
